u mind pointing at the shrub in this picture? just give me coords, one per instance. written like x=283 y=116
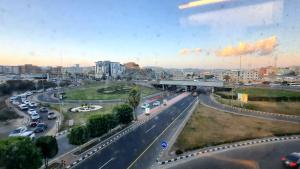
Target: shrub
x=78 y=135
x=100 y=124
x=124 y=113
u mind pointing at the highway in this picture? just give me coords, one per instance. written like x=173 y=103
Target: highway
x=262 y=156
x=126 y=151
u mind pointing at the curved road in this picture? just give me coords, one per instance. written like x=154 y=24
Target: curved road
x=207 y=100
x=262 y=156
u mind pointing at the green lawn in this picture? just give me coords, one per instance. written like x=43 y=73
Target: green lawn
x=264 y=92
x=208 y=127
x=89 y=92
x=79 y=117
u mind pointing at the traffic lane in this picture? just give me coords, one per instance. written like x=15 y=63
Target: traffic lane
x=207 y=100
x=263 y=156
x=46 y=97
x=127 y=148
x=150 y=156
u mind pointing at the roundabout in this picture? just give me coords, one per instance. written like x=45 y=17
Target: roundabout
x=86 y=108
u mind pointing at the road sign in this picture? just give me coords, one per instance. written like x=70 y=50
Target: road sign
x=164 y=144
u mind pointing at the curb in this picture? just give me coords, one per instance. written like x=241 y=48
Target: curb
x=229 y=147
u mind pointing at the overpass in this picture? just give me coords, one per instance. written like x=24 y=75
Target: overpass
x=191 y=83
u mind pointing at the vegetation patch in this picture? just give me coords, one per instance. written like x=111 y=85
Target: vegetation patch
x=209 y=127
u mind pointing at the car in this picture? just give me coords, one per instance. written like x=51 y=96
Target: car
x=35 y=116
x=51 y=115
x=31 y=111
x=49 y=89
x=29 y=134
x=17 y=131
x=145 y=105
x=26 y=102
x=41 y=127
x=40 y=91
x=32 y=104
x=16 y=102
x=292 y=160
x=13 y=98
x=34 y=123
x=28 y=93
x=23 y=107
x=43 y=110
x=156 y=103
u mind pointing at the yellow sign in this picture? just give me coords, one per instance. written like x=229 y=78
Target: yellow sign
x=243 y=97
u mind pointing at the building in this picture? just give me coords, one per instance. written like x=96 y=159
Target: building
x=108 y=69
x=236 y=75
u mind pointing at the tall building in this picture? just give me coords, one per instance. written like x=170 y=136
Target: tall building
x=108 y=69
x=235 y=75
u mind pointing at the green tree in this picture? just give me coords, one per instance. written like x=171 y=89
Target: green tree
x=78 y=135
x=4 y=143
x=124 y=113
x=48 y=147
x=100 y=124
x=22 y=154
x=134 y=98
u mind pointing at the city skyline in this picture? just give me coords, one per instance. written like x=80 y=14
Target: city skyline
x=163 y=34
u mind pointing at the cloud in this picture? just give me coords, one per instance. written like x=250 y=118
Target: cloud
x=260 y=47
x=199 y=3
x=187 y=51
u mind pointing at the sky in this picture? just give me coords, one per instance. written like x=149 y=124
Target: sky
x=166 y=33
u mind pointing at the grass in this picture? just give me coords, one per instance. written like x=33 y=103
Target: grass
x=289 y=108
x=208 y=127
x=264 y=92
x=79 y=117
x=90 y=91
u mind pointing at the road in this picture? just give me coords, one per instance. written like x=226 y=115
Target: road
x=262 y=156
x=205 y=99
x=126 y=150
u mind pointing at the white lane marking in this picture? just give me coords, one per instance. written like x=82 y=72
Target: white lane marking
x=106 y=163
x=150 y=128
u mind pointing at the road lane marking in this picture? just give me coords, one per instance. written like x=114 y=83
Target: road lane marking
x=150 y=128
x=106 y=163
x=161 y=134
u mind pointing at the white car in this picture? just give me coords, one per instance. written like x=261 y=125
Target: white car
x=23 y=107
x=145 y=105
x=156 y=103
x=16 y=103
x=28 y=93
x=26 y=102
x=51 y=115
x=40 y=91
x=35 y=116
x=17 y=131
x=31 y=111
x=32 y=104
x=13 y=98
x=49 y=89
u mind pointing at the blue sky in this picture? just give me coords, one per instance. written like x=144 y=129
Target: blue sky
x=66 y=32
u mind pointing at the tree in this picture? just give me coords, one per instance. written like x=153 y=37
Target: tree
x=22 y=154
x=226 y=78
x=134 y=98
x=48 y=147
x=78 y=135
x=99 y=124
x=124 y=113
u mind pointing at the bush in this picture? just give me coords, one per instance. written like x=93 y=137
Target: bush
x=78 y=135
x=178 y=152
x=100 y=124
x=124 y=113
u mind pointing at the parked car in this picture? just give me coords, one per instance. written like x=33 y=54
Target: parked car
x=31 y=111
x=16 y=102
x=145 y=105
x=35 y=116
x=26 y=102
x=23 y=107
x=40 y=91
x=28 y=93
x=156 y=103
x=32 y=104
x=13 y=98
x=17 y=131
x=292 y=160
x=43 y=110
x=41 y=127
x=51 y=116
x=34 y=123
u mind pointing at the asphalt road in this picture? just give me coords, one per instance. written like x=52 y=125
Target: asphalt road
x=263 y=156
x=124 y=151
x=205 y=98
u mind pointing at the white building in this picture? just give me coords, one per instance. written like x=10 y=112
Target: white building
x=235 y=75
x=108 y=69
